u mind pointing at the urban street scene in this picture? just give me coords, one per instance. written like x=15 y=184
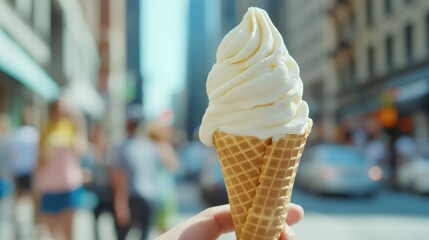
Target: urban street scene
x=195 y=119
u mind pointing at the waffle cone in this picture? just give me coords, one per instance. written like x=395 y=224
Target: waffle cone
x=259 y=177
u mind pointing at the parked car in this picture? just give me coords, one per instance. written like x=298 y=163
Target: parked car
x=414 y=175
x=338 y=169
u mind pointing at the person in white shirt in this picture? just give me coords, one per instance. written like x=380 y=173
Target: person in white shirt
x=25 y=142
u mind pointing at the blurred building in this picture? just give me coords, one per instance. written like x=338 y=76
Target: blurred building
x=363 y=59
x=133 y=53
x=44 y=48
x=107 y=22
x=203 y=38
x=116 y=63
x=309 y=39
x=30 y=70
x=382 y=61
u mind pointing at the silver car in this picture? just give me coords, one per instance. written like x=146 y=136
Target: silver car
x=338 y=169
x=414 y=175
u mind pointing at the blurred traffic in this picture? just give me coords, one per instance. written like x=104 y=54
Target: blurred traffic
x=338 y=169
x=101 y=101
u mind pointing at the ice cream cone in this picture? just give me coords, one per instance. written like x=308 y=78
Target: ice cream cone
x=259 y=176
x=241 y=161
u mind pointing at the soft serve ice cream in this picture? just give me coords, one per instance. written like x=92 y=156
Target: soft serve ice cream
x=254 y=88
x=258 y=124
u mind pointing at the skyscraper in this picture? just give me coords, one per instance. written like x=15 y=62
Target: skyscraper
x=204 y=36
x=134 y=75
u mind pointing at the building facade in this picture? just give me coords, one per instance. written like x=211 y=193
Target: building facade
x=203 y=37
x=25 y=48
x=382 y=62
x=310 y=40
x=46 y=49
x=362 y=59
x=107 y=22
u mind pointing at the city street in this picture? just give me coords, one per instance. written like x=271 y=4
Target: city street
x=389 y=215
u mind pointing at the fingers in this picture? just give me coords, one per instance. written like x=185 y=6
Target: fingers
x=209 y=224
x=288 y=234
x=295 y=214
x=220 y=220
x=213 y=222
x=222 y=217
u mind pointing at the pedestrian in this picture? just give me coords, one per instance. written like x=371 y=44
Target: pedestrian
x=134 y=179
x=160 y=132
x=25 y=142
x=375 y=148
x=6 y=182
x=405 y=149
x=25 y=153
x=98 y=174
x=58 y=174
x=192 y=154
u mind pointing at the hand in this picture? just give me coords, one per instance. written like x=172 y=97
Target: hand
x=212 y=222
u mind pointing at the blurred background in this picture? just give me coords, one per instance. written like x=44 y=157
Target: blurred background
x=137 y=69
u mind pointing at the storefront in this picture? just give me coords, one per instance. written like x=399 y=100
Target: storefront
x=399 y=97
x=22 y=80
x=400 y=105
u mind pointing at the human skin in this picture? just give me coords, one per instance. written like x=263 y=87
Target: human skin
x=213 y=222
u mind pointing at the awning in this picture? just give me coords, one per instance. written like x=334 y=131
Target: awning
x=407 y=92
x=83 y=96
x=15 y=62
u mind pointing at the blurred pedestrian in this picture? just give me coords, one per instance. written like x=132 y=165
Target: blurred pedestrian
x=212 y=183
x=58 y=174
x=134 y=180
x=192 y=154
x=6 y=182
x=97 y=173
x=25 y=153
x=161 y=134
x=25 y=142
x=405 y=149
x=375 y=148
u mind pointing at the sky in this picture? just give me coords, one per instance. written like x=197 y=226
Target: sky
x=164 y=35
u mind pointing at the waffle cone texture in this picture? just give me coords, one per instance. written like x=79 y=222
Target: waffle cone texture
x=259 y=177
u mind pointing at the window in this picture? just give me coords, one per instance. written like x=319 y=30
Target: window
x=409 y=42
x=389 y=52
x=388 y=7
x=369 y=16
x=371 y=62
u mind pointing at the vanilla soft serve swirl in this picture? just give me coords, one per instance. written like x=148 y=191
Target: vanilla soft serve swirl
x=254 y=88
